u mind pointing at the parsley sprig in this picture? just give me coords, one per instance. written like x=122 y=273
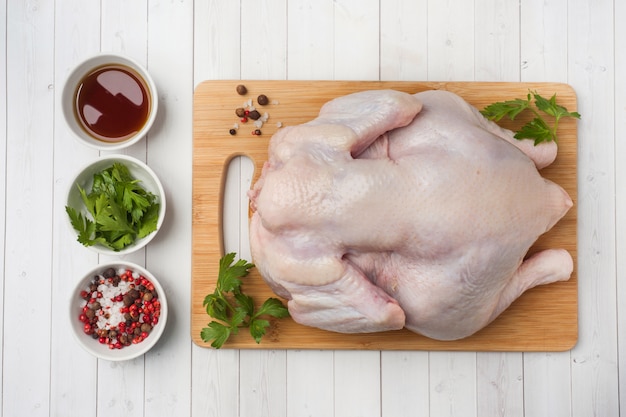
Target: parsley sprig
x=233 y=309
x=121 y=210
x=538 y=128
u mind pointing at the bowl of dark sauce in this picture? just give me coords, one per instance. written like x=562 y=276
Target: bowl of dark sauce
x=109 y=101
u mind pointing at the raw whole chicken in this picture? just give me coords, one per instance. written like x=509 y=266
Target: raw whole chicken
x=393 y=210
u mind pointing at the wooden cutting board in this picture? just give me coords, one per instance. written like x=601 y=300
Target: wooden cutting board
x=543 y=319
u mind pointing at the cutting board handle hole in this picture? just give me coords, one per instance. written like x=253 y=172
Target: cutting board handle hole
x=235 y=204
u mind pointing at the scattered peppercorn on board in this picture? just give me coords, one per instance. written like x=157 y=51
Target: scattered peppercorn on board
x=543 y=319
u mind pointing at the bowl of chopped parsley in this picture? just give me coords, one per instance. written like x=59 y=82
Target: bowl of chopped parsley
x=115 y=205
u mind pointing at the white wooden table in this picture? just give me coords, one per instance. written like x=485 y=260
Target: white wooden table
x=45 y=373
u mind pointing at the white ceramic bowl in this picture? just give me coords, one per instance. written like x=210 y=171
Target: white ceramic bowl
x=68 y=99
x=138 y=170
x=93 y=345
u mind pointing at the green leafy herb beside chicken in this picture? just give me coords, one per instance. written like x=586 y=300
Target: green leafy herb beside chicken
x=233 y=309
x=538 y=128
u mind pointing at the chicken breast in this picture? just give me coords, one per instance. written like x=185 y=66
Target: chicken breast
x=392 y=210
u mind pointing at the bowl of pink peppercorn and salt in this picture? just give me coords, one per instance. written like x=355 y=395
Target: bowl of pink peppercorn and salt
x=118 y=311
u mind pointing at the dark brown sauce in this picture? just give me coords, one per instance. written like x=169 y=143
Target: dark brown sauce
x=112 y=103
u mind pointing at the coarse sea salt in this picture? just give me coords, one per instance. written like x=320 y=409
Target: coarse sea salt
x=107 y=303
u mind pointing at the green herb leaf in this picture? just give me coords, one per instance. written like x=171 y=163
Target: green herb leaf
x=84 y=226
x=552 y=108
x=538 y=129
x=509 y=108
x=216 y=306
x=246 y=303
x=149 y=221
x=273 y=307
x=229 y=274
x=238 y=319
x=258 y=328
x=217 y=332
x=233 y=308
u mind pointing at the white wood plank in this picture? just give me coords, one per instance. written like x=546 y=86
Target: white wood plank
x=403 y=40
x=126 y=34
x=169 y=364
x=215 y=383
x=544 y=41
x=357 y=40
x=547 y=390
x=620 y=188
x=125 y=28
x=496 y=41
x=453 y=384
x=499 y=378
x=591 y=72
x=403 y=47
x=544 y=58
x=500 y=384
x=3 y=172
x=263 y=383
x=404 y=384
x=215 y=373
x=217 y=40
x=263 y=56
x=73 y=376
x=217 y=56
x=357 y=383
x=451 y=57
x=126 y=396
x=451 y=40
x=310 y=55
x=310 y=49
x=310 y=383
x=29 y=198
x=246 y=173
x=264 y=39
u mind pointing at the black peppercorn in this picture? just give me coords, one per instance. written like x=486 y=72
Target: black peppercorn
x=109 y=273
x=233 y=132
x=127 y=300
x=254 y=115
x=262 y=100
x=257 y=132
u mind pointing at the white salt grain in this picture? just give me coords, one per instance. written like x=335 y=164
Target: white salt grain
x=109 y=292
